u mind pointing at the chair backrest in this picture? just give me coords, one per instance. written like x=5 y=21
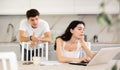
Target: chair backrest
x=26 y=45
x=9 y=60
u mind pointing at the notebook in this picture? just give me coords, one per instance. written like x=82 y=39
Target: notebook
x=102 y=57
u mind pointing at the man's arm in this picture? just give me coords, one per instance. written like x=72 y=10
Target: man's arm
x=46 y=38
x=23 y=37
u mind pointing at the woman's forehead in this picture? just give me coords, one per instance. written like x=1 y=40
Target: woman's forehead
x=80 y=26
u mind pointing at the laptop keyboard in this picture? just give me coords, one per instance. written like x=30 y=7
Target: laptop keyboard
x=80 y=63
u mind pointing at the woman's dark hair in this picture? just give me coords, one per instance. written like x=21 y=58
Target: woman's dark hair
x=67 y=35
x=32 y=13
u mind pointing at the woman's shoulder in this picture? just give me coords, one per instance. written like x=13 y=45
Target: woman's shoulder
x=59 y=39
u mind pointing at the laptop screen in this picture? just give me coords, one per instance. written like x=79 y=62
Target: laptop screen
x=104 y=55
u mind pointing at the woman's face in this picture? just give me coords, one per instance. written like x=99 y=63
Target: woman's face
x=78 y=31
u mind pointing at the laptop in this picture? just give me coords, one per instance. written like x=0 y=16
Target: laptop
x=102 y=57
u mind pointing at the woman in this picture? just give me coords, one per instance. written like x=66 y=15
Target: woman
x=69 y=45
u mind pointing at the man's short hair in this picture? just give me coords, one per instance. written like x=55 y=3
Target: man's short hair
x=32 y=13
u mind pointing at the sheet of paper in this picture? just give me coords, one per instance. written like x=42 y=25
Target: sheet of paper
x=50 y=63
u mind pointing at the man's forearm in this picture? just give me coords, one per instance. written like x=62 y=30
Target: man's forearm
x=45 y=39
x=24 y=39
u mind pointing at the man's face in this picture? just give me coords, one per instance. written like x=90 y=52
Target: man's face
x=34 y=21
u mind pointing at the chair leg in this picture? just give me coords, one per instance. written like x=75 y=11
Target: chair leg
x=31 y=55
x=34 y=51
x=38 y=52
x=46 y=51
x=22 y=53
x=42 y=53
x=27 y=53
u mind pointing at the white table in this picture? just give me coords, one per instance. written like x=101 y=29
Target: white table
x=66 y=66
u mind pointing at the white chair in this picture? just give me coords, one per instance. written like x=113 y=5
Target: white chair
x=9 y=60
x=40 y=45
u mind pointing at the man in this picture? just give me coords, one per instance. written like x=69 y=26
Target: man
x=34 y=29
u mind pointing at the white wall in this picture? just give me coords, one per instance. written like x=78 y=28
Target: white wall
x=19 y=7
